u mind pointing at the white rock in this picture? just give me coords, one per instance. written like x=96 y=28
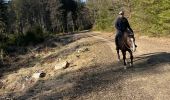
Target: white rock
x=62 y=65
x=38 y=75
x=82 y=50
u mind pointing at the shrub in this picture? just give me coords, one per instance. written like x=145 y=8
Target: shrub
x=33 y=36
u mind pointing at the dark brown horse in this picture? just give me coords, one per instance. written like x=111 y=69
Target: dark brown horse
x=126 y=43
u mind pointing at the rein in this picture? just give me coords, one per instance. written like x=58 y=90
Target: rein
x=124 y=43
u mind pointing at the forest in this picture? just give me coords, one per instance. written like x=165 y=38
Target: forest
x=25 y=22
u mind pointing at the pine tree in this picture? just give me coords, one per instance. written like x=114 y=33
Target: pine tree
x=104 y=12
x=56 y=15
x=3 y=19
x=59 y=14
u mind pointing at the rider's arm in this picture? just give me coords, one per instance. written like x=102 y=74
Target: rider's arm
x=129 y=26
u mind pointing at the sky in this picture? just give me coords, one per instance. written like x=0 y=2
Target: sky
x=82 y=0
x=6 y=0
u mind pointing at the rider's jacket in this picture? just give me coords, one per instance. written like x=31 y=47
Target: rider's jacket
x=122 y=24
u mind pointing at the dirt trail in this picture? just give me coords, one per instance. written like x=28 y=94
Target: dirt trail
x=102 y=77
x=147 y=80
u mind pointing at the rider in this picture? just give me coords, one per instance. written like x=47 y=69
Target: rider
x=121 y=25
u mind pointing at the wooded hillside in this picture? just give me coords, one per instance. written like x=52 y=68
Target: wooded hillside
x=148 y=17
x=23 y=22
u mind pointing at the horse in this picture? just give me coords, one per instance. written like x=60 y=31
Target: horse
x=126 y=43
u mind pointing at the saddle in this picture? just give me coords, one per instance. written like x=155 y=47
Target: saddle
x=130 y=33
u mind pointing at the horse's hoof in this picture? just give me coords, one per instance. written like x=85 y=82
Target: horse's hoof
x=131 y=65
x=125 y=67
x=119 y=60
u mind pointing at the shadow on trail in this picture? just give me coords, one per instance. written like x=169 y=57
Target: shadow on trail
x=157 y=55
x=98 y=78
x=152 y=60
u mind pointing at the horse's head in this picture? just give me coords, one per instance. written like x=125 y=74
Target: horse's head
x=130 y=41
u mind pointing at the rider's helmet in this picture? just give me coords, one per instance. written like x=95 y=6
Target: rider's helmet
x=121 y=12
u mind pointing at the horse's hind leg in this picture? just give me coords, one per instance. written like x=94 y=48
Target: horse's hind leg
x=118 y=54
x=131 y=58
x=124 y=58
